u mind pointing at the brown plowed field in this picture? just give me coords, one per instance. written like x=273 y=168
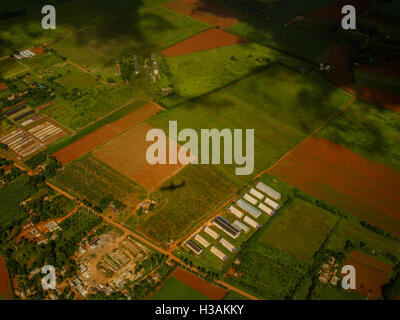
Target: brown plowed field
x=387 y=69
x=5 y=287
x=210 y=39
x=381 y=98
x=127 y=155
x=3 y=86
x=371 y=274
x=208 y=12
x=337 y=175
x=210 y=291
x=100 y=136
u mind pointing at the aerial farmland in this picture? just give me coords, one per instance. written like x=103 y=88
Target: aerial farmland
x=98 y=187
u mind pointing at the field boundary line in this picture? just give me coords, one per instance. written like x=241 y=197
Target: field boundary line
x=306 y=138
x=88 y=72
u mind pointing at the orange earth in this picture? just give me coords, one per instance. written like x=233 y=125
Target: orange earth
x=100 y=136
x=337 y=175
x=371 y=274
x=210 y=291
x=127 y=155
x=5 y=287
x=210 y=39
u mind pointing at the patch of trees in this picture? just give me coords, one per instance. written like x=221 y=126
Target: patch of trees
x=47 y=209
x=36 y=160
x=391 y=290
x=11 y=14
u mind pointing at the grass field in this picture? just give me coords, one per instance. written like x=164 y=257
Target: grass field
x=370 y=131
x=10 y=67
x=377 y=81
x=281 y=105
x=174 y=289
x=205 y=71
x=74 y=78
x=191 y=194
x=90 y=179
x=299 y=229
x=287 y=39
x=142 y=31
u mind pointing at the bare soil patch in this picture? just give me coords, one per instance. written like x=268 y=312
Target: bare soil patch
x=5 y=287
x=208 y=12
x=3 y=86
x=210 y=291
x=337 y=175
x=100 y=136
x=127 y=155
x=381 y=98
x=341 y=74
x=210 y=39
x=38 y=50
x=371 y=274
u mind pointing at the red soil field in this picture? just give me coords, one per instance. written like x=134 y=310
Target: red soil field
x=127 y=155
x=100 y=136
x=38 y=50
x=208 y=12
x=371 y=274
x=210 y=39
x=337 y=175
x=3 y=86
x=333 y=11
x=210 y=291
x=381 y=98
x=5 y=287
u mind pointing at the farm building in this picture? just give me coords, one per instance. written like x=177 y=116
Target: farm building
x=219 y=253
x=225 y=226
x=269 y=191
x=250 y=199
x=266 y=209
x=272 y=203
x=236 y=212
x=194 y=247
x=201 y=240
x=241 y=226
x=211 y=232
x=251 y=222
x=249 y=208
x=256 y=194
x=227 y=245
x=21 y=142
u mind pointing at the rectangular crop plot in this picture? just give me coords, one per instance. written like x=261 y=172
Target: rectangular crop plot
x=21 y=142
x=47 y=132
x=299 y=229
x=105 y=133
x=371 y=274
x=191 y=195
x=356 y=185
x=90 y=179
x=127 y=155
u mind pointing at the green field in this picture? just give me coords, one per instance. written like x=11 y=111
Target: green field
x=88 y=178
x=174 y=289
x=142 y=31
x=281 y=105
x=377 y=81
x=10 y=67
x=199 y=189
x=370 y=131
x=299 y=229
x=201 y=72
x=288 y=39
x=11 y=196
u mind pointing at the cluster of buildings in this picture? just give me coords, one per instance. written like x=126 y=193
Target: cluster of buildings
x=247 y=210
x=329 y=271
x=24 y=54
